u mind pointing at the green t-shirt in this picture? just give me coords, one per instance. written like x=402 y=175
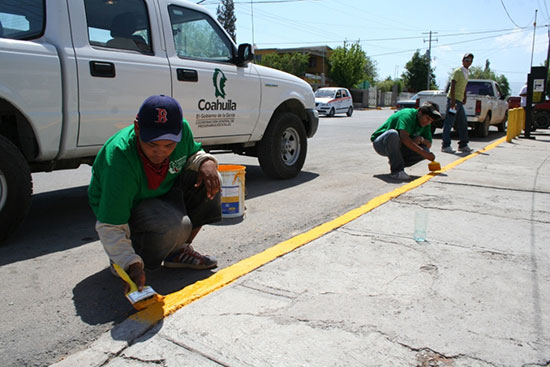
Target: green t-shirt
x=405 y=119
x=460 y=84
x=118 y=178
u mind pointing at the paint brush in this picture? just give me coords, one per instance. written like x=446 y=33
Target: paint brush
x=138 y=299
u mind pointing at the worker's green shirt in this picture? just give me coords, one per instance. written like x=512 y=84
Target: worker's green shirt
x=405 y=119
x=460 y=84
x=118 y=178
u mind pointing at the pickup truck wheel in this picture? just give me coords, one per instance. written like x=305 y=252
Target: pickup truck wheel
x=482 y=129
x=502 y=126
x=282 y=150
x=350 y=111
x=15 y=188
x=542 y=120
x=331 y=112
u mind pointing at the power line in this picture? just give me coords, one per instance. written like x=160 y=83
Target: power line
x=447 y=44
x=510 y=31
x=506 y=10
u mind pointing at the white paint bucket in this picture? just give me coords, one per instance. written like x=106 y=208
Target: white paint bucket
x=232 y=190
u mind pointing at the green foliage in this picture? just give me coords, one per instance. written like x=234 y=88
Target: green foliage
x=295 y=63
x=415 y=77
x=370 y=70
x=227 y=18
x=387 y=85
x=477 y=72
x=347 y=65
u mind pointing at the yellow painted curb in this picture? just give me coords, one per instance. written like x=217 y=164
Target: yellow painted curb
x=174 y=301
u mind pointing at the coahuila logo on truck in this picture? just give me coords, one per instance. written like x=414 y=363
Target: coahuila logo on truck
x=219 y=80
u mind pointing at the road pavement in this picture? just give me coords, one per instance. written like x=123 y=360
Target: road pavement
x=358 y=290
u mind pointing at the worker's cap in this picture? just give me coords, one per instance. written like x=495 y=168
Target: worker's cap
x=468 y=55
x=431 y=110
x=160 y=118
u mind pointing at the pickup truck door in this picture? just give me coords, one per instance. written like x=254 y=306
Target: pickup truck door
x=116 y=71
x=219 y=99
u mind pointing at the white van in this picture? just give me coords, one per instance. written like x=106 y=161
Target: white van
x=330 y=101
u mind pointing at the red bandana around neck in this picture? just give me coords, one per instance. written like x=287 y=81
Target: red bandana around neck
x=155 y=173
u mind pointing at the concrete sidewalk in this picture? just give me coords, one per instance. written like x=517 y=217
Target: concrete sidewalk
x=476 y=293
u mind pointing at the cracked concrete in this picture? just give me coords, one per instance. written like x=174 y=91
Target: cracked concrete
x=475 y=294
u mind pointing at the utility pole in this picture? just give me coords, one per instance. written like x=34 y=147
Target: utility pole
x=429 y=54
x=534 y=31
x=252 y=15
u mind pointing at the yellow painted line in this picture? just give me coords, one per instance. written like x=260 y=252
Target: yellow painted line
x=174 y=301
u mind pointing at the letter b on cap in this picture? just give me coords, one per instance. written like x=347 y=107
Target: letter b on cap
x=162 y=116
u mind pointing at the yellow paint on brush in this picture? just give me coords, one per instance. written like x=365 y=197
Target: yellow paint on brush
x=173 y=302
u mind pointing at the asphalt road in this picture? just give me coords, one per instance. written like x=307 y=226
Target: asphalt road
x=58 y=294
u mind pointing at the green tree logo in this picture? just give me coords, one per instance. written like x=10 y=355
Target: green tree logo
x=219 y=80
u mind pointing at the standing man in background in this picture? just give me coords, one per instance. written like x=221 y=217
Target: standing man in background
x=523 y=95
x=456 y=99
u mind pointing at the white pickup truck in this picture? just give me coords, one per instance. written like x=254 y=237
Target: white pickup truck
x=75 y=72
x=485 y=106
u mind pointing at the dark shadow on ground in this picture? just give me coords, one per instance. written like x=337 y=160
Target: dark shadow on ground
x=99 y=299
x=258 y=184
x=62 y=219
x=57 y=221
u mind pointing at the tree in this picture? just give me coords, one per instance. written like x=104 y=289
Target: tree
x=227 y=18
x=347 y=65
x=295 y=63
x=477 y=72
x=387 y=85
x=370 y=70
x=415 y=77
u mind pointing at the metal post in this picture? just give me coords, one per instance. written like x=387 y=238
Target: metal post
x=429 y=54
x=534 y=32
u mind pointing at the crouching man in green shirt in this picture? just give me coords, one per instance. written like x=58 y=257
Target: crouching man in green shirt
x=406 y=138
x=152 y=189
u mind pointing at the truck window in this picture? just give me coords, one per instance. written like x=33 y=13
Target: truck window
x=21 y=19
x=480 y=88
x=197 y=36
x=122 y=25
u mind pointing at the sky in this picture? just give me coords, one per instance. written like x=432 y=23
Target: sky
x=390 y=31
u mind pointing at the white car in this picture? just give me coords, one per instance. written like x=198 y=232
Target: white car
x=330 y=101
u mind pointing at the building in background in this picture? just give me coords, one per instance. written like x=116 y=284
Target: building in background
x=318 y=62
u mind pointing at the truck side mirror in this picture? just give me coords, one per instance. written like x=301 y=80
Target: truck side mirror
x=244 y=54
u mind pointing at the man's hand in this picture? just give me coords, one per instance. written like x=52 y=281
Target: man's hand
x=419 y=140
x=453 y=103
x=136 y=273
x=208 y=173
x=430 y=156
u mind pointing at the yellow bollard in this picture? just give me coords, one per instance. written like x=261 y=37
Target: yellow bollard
x=509 y=133
x=513 y=124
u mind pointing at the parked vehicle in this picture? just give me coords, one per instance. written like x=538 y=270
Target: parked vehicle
x=514 y=102
x=414 y=101
x=541 y=115
x=485 y=106
x=75 y=72
x=330 y=101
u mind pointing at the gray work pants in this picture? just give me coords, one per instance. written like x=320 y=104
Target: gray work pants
x=162 y=225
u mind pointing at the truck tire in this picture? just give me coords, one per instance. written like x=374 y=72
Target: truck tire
x=282 y=150
x=482 y=129
x=15 y=188
x=542 y=120
x=502 y=126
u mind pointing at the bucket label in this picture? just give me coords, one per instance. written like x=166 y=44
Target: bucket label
x=230 y=208
x=228 y=191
